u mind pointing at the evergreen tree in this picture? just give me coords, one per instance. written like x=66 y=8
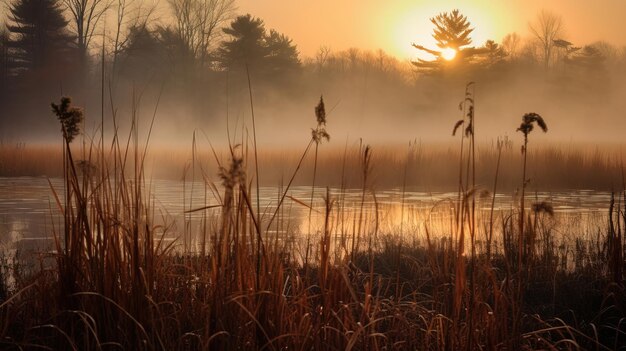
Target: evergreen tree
x=39 y=37
x=493 y=53
x=159 y=51
x=267 y=54
x=282 y=54
x=247 y=44
x=452 y=32
x=142 y=55
x=4 y=58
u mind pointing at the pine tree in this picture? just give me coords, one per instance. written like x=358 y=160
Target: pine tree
x=247 y=43
x=267 y=54
x=452 y=32
x=282 y=55
x=39 y=36
x=4 y=58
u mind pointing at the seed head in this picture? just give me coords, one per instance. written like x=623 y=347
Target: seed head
x=527 y=123
x=69 y=116
x=320 y=112
x=319 y=133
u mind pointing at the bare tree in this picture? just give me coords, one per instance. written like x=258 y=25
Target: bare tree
x=130 y=14
x=607 y=50
x=86 y=14
x=321 y=57
x=198 y=21
x=510 y=44
x=383 y=62
x=546 y=28
x=353 y=55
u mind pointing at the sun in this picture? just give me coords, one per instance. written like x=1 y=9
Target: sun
x=448 y=54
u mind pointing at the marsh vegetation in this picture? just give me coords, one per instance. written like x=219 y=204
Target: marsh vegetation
x=197 y=192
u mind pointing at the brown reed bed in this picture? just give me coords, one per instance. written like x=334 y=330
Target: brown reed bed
x=116 y=284
x=427 y=166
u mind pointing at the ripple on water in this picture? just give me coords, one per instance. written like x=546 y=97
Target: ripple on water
x=27 y=205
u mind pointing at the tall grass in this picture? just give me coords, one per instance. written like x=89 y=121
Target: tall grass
x=553 y=166
x=118 y=284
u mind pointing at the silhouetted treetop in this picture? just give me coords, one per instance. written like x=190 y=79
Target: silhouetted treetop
x=39 y=33
x=247 y=43
x=86 y=14
x=546 y=29
x=4 y=56
x=452 y=30
x=161 y=50
x=197 y=23
x=281 y=52
x=250 y=45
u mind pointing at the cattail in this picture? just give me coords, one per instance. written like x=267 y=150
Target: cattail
x=527 y=125
x=320 y=112
x=319 y=133
x=234 y=175
x=69 y=116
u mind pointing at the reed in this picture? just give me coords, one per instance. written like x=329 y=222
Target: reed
x=120 y=283
x=553 y=167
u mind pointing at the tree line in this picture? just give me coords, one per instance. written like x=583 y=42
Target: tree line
x=546 y=48
x=40 y=45
x=50 y=47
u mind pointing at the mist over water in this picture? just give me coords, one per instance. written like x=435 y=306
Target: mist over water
x=179 y=101
x=371 y=109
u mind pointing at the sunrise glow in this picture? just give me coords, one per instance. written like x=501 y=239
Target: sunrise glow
x=312 y=175
x=412 y=25
x=448 y=54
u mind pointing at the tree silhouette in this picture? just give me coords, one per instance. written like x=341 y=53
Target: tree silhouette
x=452 y=31
x=251 y=46
x=590 y=65
x=149 y=51
x=198 y=21
x=39 y=34
x=588 y=57
x=510 y=45
x=282 y=54
x=493 y=52
x=129 y=15
x=86 y=15
x=546 y=29
x=247 y=43
x=4 y=58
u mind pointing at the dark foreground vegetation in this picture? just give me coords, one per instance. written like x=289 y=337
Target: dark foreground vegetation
x=114 y=280
x=502 y=282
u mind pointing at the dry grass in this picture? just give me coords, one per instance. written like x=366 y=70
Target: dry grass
x=123 y=288
x=116 y=284
x=428 y=167
x=21 y=159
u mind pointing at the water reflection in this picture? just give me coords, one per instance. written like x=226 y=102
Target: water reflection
x=29 y=216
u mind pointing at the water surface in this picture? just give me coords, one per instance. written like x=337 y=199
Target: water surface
x=29 y=214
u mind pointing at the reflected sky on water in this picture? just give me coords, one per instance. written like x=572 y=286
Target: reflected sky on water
x=29 y=214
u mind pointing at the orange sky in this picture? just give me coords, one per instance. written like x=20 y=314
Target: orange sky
x=392 y=25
